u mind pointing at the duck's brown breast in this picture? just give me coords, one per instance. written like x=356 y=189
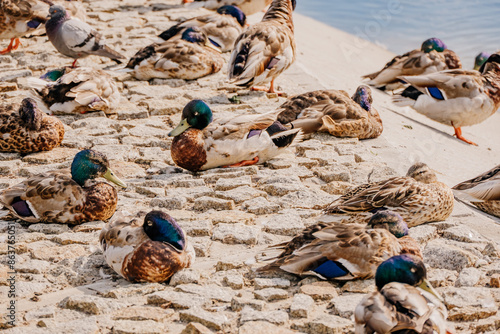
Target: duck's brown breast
x=188 y=150
x=101 y=201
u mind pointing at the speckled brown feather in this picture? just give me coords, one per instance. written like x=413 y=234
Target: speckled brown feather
x=248 y=7
x=176 y=59
x=400 y=308
x=57 y=198
x=188 y=150
x=14 y=11
x=417 y=202
x=331 y=111
x=16 y=137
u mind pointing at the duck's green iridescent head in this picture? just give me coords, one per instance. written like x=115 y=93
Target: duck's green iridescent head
x=234 y=12
x=54 y=75
x=363 y=97
x=30 y=114
x=390 y=221
x=480 y=60
x=90 y=164
x=433 y=44
x=161 y=227
x=196 y=114
x=405 y=268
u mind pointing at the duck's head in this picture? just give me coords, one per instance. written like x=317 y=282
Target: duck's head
x=54 y=75
x=493 y=63
x=57 y=12
x=390 y=221
x=161 y=227
x=422 y=173
x=234 y=12
x=90 y=164
x=363 y=97
x=30 y=114
x=480 y=60
x=404 y=268
x=433 y=44
x=196 y=114
x=196 y=36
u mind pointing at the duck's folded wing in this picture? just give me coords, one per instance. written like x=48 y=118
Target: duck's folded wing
x=240 y=126
x=485 y=187
x=453 y=83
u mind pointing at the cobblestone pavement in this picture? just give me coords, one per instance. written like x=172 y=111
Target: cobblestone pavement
x=63 y=284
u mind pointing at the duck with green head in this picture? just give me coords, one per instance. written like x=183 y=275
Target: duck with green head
x=404 y=302
x=338 y=251
x=66 y=197
x=146 y=247
x=433 y=56
x=189 y=57
x=28 y=130
x=200 y=143
x=480 y=60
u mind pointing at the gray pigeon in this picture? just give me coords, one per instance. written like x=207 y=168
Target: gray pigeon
x=74 y=38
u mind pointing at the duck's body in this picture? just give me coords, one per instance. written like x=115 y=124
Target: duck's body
x=248 y=7
x=222 y=28
x=456 y=97
x=146 y=248
x=248 y=138
x=419 y=198
x=432 y=57
x=265 y=49
x=19 y=18
x=61 y=197
x=404 y=303
x=483 y=191
x=334 y=112
x=77 y=90
x=345 y=251
x=189 y=58
x=29 y=129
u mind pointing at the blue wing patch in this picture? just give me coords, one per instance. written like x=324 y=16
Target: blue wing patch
x=214 y=42
x=33 y=24
x=331 y=269
x=435 y=93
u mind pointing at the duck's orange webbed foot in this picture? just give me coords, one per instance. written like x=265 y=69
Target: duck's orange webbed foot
x=187 y=1
x=13 y=45
x=244 y=163
x=458 y=134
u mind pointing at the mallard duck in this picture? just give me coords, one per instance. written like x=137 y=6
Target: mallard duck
x=483 y=191
x=19 y=18
x=345 y=251
x=404 y=303
x=221 y=28
x=432 y=57
x=455 y=97
x=146 y=247
x=419 y=198
x=62 y=197
x=480 y=60
x=189 y=58
x=29 y=129
x=334 y=112
x=248 y=7
x=201 y=144
x=265 y=49
x=77 y=90
x=74 y=38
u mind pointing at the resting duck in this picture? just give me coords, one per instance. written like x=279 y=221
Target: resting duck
x=221 y=28
x=483 y=191
x=334 y=112
x=480 y=60
x=345 y=251
x=265 y=49
x=201 y=144
x=28 y=130
x=146 y=247
x=62 y=197
x=19 y=18
x=190 y=57
x=77 y=90
x=248 y=7
x=419 y=198
x=455 y=97
x=432 y=57
x=404 y=303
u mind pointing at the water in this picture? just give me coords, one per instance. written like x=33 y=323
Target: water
x=466 y=27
